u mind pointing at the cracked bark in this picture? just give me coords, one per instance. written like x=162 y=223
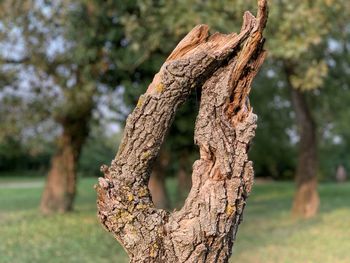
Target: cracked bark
x=205 y=228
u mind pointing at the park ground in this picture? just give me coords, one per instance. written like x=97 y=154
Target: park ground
x=268 y=234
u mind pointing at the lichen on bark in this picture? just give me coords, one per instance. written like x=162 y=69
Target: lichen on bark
x=205 y=228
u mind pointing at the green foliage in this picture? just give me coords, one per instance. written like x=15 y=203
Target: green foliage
x=273 y=150
x=115 y=44
x=16 y=155
x=297 y=34
x=98 y=150
x=332 y=104
x=59 y=73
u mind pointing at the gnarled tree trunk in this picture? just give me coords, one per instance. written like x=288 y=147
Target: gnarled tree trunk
x=60 y=187
x=205 y=228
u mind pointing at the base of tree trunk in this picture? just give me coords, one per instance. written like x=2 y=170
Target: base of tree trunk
x=61 y=183
x=306 y=200
x=60 y=188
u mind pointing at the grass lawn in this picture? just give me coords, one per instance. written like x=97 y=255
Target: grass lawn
x=267 y=234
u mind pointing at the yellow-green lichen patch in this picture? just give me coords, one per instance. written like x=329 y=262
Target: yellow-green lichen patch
x=125 y=216
x=229 y=209
x=140 y=102
x=145 y=155
x=154 y=250
x=159 y=87
x=143 y=192
x=141 y=206
x=131 y=207
x=117 y=215
x=130 y=197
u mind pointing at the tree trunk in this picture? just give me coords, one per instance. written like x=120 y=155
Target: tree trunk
x=60 y=188
x=306 y=199
x=183 y=178
x=205 y=228
x=157 y=182
x=341 y=175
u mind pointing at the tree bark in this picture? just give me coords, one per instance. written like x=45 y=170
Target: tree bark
x=205 y=228
x=306 y=199
x=60 y=187
x=157 y=182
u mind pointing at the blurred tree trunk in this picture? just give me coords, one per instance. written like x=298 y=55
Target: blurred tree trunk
x=205 y=228
x=341 y=175
x=157 y=182
x=306 y=199
x=183 y=175
x=60 y=187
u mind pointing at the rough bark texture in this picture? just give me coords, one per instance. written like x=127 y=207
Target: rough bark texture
x=306 y=199
x=157 y=182
x=205 y=228
x=60 y=188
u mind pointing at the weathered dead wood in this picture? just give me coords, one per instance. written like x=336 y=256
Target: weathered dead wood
x=205 y=228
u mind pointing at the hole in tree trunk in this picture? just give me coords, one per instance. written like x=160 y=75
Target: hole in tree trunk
x=170 y=181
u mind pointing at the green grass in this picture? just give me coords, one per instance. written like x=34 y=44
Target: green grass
x=27 y=236
x=267 y=233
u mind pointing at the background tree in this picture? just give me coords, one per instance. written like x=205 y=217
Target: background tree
x=298 y=45
x=332 y=113
x=64 y=67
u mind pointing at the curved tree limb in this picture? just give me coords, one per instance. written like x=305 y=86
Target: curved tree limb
x=205 y=228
